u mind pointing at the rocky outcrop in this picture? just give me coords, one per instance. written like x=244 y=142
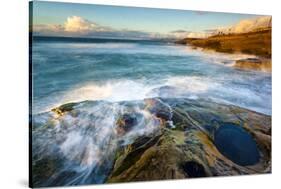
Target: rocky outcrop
x=256 y=43
x=260 y=64
x=253 y=43
x=154 y=139
x=207 y=139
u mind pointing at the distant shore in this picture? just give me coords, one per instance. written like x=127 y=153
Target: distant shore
x=256 y=43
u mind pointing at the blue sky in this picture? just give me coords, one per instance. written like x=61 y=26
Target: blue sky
x=117 y=18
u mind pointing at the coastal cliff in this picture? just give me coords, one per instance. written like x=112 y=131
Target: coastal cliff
x=256 y=42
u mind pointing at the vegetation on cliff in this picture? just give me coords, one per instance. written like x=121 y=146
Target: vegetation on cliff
x=254 y=43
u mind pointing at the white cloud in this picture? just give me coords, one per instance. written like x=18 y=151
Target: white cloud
x=48 y=27
x=188 y=34
x=77 y=24
x=198 y=35
x=73 y=25
x=248 y=25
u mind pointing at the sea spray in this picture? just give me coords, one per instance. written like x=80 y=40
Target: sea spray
x=120 y=71
x=79 y=145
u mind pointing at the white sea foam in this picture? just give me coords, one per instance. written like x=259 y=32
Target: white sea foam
x=192 y=84
x=211 y=56
x=193 y=87
x=87 y=142
x=90 y=46
x=129 y=90
x=115 y=91
x=212 y=83
x=87 y=138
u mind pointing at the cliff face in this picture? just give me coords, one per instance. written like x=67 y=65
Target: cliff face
x=256 y=43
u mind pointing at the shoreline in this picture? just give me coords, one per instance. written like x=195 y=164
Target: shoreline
x=172 y=128
x=257 y=43
x=69 y=106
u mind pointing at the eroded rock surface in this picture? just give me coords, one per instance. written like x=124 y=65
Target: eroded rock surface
x=208 y=139
x=154 y=139
x=260 y=64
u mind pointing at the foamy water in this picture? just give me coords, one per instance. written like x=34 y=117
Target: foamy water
x=86 y=144
x=73 y=72
x=116 y=77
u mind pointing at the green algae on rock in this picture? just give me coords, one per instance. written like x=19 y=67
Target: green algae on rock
x=192 y=148
x=151 y=139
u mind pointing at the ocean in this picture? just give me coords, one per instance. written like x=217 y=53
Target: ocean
x=72 y=70
x=110 y=80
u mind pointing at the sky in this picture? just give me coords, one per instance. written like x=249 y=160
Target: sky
x=72 y=19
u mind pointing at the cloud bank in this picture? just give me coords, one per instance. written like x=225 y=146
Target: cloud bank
x=249 y=25
x=76 y=26
x=244 y=26
x=189 y=34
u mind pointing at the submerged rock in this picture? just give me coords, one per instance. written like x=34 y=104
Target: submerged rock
x=126 y=122
x=159 y=109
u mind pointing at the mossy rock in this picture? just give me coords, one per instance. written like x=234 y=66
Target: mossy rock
x=185 y=143
x=64 y=108
x=192 y=148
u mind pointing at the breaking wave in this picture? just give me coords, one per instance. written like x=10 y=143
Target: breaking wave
x=83 y=143
x=192 y=87
x=134 y=71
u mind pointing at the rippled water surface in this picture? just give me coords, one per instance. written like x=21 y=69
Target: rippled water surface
x=66 y=71
x=115 y=76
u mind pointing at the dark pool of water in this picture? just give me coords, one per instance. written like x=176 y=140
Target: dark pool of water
x=237 y=144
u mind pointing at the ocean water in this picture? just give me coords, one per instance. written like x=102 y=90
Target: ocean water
x=73 y=70
x=116 y=75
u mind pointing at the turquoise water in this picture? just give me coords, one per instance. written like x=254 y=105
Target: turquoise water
x=72 y=70
x=79 y=147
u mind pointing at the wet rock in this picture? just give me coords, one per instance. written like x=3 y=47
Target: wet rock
x=160 y=109
x=205 y=139
x=261 y=64
x=126 y=122
x=133 y=152
x=165 y=115
x=64 y=108
x=43 y=169
x=210 y=139
x=154 y=160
